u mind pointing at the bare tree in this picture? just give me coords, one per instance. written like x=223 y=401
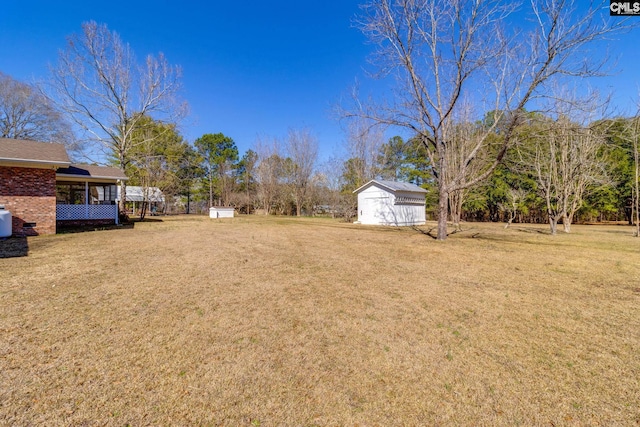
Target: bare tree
x=302 y=149
x=624 y=136
x=515 y=198
x=565 y=157
x=102 y=87
x=364 y=142
x=635 y=199
x=268 y=172
x=442 y=52
x=25 y=113
x=464 y=137
x=636 y=158
x=341 y=201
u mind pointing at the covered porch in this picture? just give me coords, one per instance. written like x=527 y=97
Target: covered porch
x=86 y=195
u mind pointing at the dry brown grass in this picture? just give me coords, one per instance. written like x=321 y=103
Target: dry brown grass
x=279 y=321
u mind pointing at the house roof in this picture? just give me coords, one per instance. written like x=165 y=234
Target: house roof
x=32 y=154
x=91 y=172
x=392 y=186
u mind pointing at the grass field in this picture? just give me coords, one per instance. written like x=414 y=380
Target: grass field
x=259 y=321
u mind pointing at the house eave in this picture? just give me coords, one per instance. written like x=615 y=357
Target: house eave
x=83 y=178
x=34 y=164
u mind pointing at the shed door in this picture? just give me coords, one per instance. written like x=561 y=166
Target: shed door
x=373 y=211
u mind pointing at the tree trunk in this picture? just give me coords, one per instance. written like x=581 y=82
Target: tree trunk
x=123 y=197
x=210 y=191
x=553 y=224
x=443 y=211
x=455 y=208
x=267 y=204
x=636 y=203
x=566 y=222
x=512 y=216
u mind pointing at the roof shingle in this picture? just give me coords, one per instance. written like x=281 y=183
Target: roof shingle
x=22 y=151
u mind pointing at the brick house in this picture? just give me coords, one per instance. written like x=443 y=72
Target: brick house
x=44 y=191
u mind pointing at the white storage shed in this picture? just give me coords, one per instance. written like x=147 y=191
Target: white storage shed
x=221 y=212
x=391 y=203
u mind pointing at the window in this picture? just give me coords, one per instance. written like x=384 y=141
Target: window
x=73 y=193
x=70 y=193
x=102 y=194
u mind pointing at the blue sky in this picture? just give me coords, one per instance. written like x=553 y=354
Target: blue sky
x=251 y=68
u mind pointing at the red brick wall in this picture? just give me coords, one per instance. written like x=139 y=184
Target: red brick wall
x=30 y=195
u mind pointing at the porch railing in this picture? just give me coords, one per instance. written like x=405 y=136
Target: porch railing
x=71 y=212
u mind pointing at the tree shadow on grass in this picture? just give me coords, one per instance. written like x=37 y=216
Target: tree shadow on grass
x=84 y=228
x=13 y=247
x=146 y=219
x=432 y=232
x=532 y=230
x=428 y=232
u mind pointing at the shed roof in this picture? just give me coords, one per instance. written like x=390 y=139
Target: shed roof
x=393 y=186
x=32 y=153
x=89 y=172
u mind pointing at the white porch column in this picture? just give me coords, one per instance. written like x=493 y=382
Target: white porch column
x=86 y=199
x=117 y=204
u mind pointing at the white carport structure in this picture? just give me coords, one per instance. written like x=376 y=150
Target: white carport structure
x=137 y=196
x=391 y=203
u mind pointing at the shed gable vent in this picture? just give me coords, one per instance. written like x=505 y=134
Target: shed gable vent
x=402 y=200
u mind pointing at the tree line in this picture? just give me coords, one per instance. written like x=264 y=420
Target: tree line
x=559 y=171
x=447 y=63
